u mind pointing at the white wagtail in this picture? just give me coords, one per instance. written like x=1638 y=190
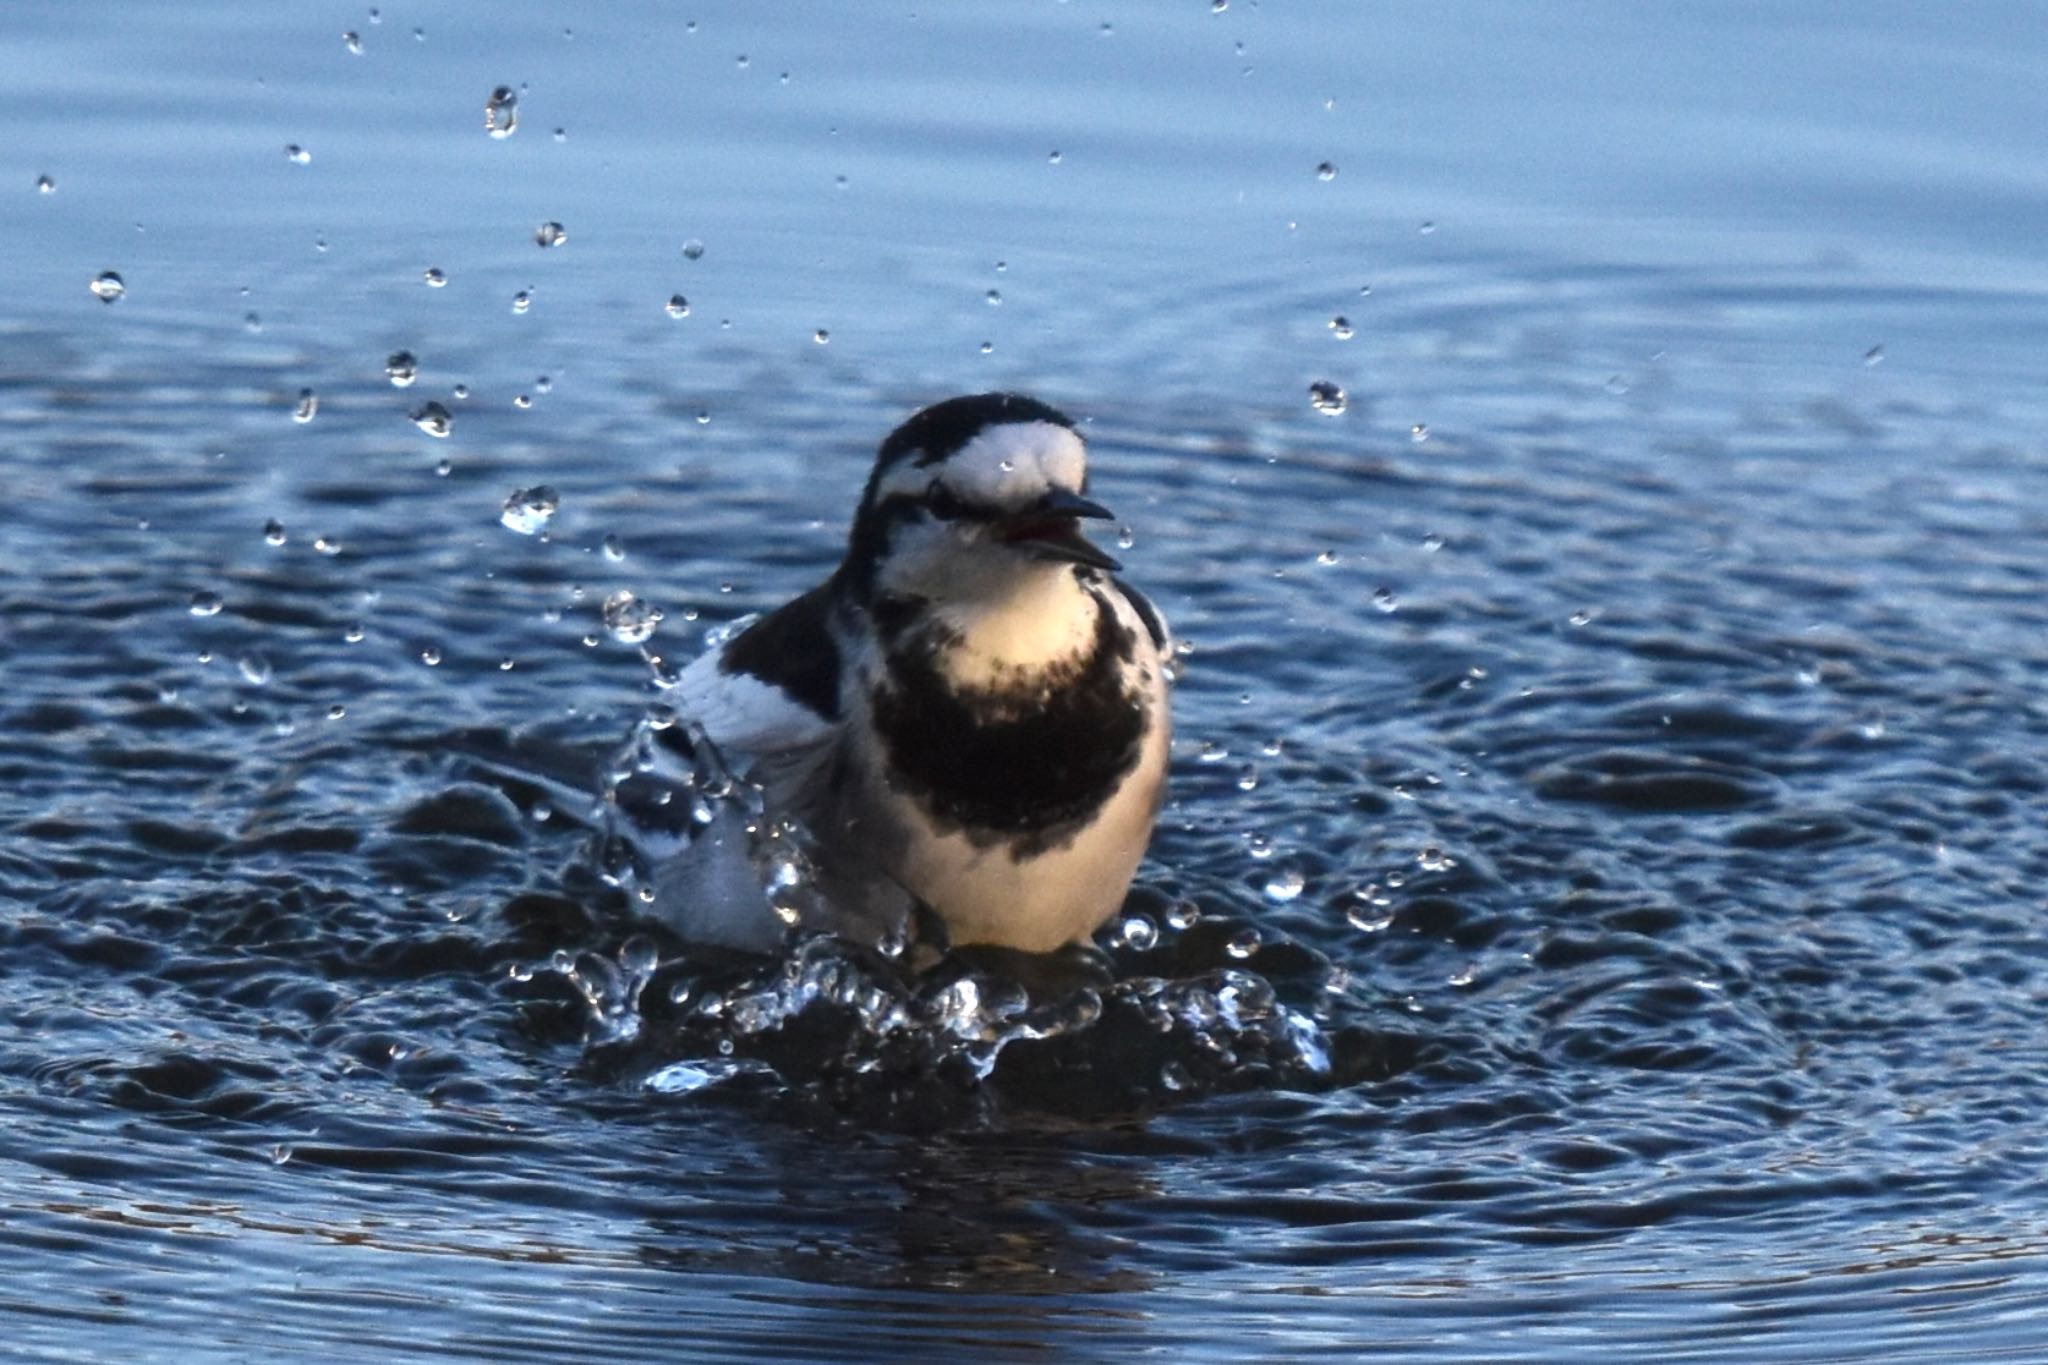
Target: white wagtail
x=970 y=710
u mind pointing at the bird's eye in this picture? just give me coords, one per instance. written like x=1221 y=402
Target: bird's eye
x=943 y=504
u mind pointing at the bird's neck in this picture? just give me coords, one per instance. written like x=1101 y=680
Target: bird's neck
x=1044 y=624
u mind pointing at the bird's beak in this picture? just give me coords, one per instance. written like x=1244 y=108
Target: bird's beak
x=1050 y=529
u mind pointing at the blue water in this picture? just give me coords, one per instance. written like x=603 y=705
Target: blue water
x=1598 y=915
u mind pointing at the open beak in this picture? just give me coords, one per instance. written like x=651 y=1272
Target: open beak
x=1051 y=529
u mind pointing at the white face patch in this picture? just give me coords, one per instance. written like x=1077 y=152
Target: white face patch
x=1010 y=465
x=1016 y=464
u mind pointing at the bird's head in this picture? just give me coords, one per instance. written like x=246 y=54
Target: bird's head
x=973 y=497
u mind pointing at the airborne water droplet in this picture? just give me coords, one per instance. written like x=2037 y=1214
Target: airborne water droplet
x=401 y=368
x=206 y=604
x=693 y=250
x=273 y=532
x=1340 y=327
x=501 y=113
x=309 y=404
x=630 y=619
x=550 y=233
x=1327 y=398
x=435 y=277
x=433 y=419
x=678 y=306
x=614 y=548
x=254 y=668
x=298 y=155
x=529 y=509
x=107 y=286
x=353 y=41
x=45 y=185
x=1326 y=171
x=522 y=301
x=1286 y=883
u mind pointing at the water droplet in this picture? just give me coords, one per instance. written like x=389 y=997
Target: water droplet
x=1873 y=356
x=1286 y=883
x=522 y=301
x=1173 y=1075
x=1368 y=912
x=401 y=368
x=460 y=391
x=1418 y=433
x=45 y=185
x=273 y=532
x=987 y=346
x=1138 y=932
x=522 y=402
x=1327 y=398
x=435 y=277
x=254 y=668
x=298 y=155
x=433 y=419
x=995 y=298
x=614 y=548
x=561 y=134
x=1384 y=599
x=1326 y=171
x=107 y=286
x=281 y=1153
x=1248 y=778
x=353 y=633
x=376 y=16
x=693 y=250
x=327 y=545
x=1340 y=327
x=550 y=234
x=353 y=41
x=206 y=604
x=252 y=322
x=501 y=113
x=1581 y=617
x=1428 y=226
x=336 y=711
x=1125 y=537
x=1434 y=859
x=1327 y=558
x=1242 y=944
x=529 y=509
x=309 y=404
x=630 y=619
x=431 y=656
x=1054 y=158
x=821 y=336
x=678 y=306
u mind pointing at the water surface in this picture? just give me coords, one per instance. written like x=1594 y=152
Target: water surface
x=1599 y=910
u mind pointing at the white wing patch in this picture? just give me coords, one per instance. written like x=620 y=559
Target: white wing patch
x=739 y=712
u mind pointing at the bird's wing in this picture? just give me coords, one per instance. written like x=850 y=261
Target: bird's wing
x=773 y=688
x=1155 y=624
